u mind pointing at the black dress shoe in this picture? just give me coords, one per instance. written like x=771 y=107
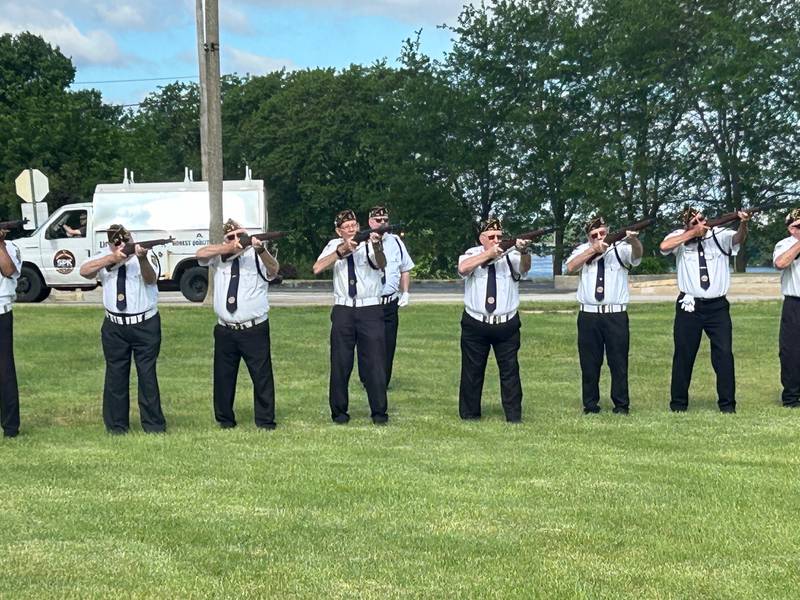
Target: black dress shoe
x=619 y=410
x=380 y=420
x=267 y=427
x=341 y=419
x=10 y=434
x=591 y=411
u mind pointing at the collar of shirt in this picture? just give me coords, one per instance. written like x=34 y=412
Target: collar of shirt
x=252 y=294
x=475 y=284
x=139 y=296
x=368 y=280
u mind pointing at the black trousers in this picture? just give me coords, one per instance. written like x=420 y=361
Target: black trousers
x=143 y=341
x=602 y=334
x=361 y=329
x=9 y=392
x=713 y=317
x=390 y=323
x=789 y=351
x=252 y=345
x=476 y=340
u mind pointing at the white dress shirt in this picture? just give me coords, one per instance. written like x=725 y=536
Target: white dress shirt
x=397 y=261
x=790 y=276
x=615 y=275
x=368 y=279
x=140 y=296
x=688 y=263
x=252 y=298
x=507 y=300
x=8 y=285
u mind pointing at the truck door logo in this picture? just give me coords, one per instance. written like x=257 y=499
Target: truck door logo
x=64 y=262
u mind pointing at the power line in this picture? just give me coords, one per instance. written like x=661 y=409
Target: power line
x=135 y=80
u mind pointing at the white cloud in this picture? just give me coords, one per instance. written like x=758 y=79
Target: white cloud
x=95 y=47
x=416 y=12
x=233 y=19
x=123 y=16
x=239 y=61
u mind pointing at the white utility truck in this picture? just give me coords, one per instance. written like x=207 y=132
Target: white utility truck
x=53 y=253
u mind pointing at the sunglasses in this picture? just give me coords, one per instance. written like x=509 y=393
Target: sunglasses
x=381 y=219
x=494 y=237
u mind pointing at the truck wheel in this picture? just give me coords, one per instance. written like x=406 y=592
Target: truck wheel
x=30 y=287
x=194 y=284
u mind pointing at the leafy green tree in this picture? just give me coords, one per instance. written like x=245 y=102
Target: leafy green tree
x=743 y=128
x=73 y=137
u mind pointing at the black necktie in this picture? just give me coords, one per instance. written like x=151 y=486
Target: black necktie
x=491 y=289
x=351 y=277
x=233 y=286
x=705 y=280
x=600 y=283
x=122 y=302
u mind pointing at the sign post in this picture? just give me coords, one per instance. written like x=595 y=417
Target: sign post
x=32 y=186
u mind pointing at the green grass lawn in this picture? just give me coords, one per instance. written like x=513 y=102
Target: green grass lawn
x=654 y=505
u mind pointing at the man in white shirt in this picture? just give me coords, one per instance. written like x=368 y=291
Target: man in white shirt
x=603 y=318
x=702 y=261
x=10 y=267
x=785 y=258
x=241 y=283
x=356 y=317
x=132 y=326
x=396 y=281
x=490 y=320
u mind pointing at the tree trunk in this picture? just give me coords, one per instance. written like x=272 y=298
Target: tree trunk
x=558 y=252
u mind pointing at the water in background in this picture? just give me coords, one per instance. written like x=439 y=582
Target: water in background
x=542 y=268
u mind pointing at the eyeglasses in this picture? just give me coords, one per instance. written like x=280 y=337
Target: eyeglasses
x=493 y=237
x=381 y=219
x=597 y=235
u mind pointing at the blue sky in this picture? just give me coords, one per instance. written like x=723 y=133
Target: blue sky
x=139 y=39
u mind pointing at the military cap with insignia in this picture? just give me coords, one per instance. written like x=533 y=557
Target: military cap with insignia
x=595 y=222
x=343 y=217
x=117 y=234
x=378 y=211
x=491 y=224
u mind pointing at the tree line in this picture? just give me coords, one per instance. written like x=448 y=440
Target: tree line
x=543 y=112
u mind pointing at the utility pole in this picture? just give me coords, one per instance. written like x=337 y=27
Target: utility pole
x=208 y=49
x=201 y=60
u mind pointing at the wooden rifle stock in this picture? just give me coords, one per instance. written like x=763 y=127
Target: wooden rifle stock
x=734 y=216
x=507 y=243
x=245 y=240
x=11 y=225
x=130 y=247
x=363 y=235
x=619 y=235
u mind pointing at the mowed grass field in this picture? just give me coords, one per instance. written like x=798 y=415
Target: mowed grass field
x=652 y=505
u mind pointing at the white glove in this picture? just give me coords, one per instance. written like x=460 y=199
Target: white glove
x=687 y=303
x=403 y=300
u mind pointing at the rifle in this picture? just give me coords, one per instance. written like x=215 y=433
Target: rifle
x=245 y=240
x=11 y=225
x=734 y=216
x=130 y=247
x=509 y=242
x=363 y=235
x=619 y=235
